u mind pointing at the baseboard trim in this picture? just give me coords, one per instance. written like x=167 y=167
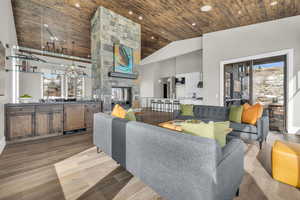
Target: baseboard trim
x=2 y=144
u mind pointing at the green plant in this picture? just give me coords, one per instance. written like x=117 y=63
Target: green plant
x=25 y=96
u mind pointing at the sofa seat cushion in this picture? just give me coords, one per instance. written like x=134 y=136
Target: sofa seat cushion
x=243 y=127
x=242 y=135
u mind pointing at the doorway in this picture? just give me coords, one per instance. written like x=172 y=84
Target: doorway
x=259 y=81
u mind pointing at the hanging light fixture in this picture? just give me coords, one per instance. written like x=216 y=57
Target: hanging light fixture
x=72 y=70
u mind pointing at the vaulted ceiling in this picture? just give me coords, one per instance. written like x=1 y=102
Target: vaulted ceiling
x=163 y=21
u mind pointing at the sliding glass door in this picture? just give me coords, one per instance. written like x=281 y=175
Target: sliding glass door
x=259 y=81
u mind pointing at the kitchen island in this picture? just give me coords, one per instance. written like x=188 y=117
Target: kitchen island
x=28 y=121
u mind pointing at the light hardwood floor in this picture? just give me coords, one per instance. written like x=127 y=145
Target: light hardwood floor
x=69 y=168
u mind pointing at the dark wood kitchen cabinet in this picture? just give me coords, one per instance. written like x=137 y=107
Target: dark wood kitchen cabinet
x=74 y=117
x=19 y=122
x=39 y=120
x=49 y=120
x=90 y=110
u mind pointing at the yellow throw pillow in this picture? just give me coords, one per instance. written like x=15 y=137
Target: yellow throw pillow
x=251 y=113
x=118 y=111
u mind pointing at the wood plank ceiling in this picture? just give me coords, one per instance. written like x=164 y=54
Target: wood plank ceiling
x=163 y=21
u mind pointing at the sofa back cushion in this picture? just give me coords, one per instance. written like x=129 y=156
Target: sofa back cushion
x=178 y=162
x=216 y=113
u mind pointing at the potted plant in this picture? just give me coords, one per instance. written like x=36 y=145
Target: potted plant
x=25 y=98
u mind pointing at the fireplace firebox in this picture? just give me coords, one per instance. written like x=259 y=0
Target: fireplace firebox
x=121 y=96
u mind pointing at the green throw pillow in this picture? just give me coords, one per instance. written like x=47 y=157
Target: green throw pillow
x=221 y=130
x=213 y=130
x=130 y=115
x=201 y=129
x=235 y=114
x=187 y=110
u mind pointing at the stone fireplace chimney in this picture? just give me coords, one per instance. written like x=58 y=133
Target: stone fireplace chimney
x=107 y=29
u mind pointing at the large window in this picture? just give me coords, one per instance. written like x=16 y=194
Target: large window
x=52 y=86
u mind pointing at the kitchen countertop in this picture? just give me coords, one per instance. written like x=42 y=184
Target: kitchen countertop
x=51 y=103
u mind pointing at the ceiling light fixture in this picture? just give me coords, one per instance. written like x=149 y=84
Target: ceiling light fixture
x=130 y=12
x=240 y=12
x=140 y=17
x=194 y=24
x=274 y=3
x=152 y=37
x=77 y=5
x=206 y=8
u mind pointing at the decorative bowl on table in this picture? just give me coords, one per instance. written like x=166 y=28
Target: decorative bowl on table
x=25 y=98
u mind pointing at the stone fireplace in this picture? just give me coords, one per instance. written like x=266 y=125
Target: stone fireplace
x=107 y=29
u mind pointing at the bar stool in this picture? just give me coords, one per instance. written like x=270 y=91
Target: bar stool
x=168 y=105
x=175 y=106
x=159 y=105
x=153 y=104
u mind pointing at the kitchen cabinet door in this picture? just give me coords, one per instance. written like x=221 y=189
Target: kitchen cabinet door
x=90 y=110
x=19 y=122
x=74 y=117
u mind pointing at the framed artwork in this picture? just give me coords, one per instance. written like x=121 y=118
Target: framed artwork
x=123 y=59
x=2 y=56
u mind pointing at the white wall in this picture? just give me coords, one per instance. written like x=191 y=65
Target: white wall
x=249 y=41
x=7 y=36
x=151 y=73
x=174 y=49
x=30 y=83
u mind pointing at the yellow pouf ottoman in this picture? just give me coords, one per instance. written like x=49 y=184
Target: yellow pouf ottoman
x=286 y=162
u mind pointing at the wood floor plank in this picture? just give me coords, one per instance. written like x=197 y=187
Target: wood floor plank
x=69 y=168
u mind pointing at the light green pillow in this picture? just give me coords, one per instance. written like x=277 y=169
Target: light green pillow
x=130 y=115
x=213 y=130
x=200 y=129
x=235 y=114
x=221 y=129
x=187 y=110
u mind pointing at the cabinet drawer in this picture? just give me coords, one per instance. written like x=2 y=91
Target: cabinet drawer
x=20 y=109
x=49 y=108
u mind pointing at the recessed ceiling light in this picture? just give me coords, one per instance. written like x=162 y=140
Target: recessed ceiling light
x=206 y=8
x=152 y=37
x=240 y=12
x=140 y=17
x=274 y=3
x=130 y=12
x=194 y=24
x=77 y=5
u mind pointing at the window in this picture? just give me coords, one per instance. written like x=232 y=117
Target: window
x=60 y=86
x=75 y=87
x=52 y=86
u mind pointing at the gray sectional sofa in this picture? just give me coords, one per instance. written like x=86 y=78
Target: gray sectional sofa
x=177 y=166
x=259 y=132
